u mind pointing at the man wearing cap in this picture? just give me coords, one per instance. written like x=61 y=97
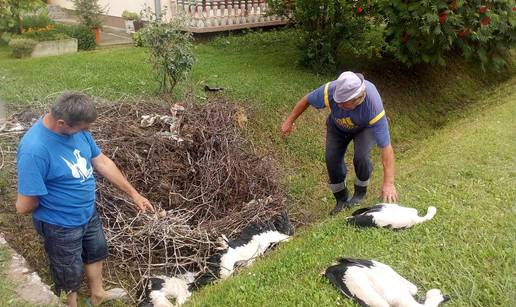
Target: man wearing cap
x=356 y=113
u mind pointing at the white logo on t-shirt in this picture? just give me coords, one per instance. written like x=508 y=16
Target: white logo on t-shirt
x=80 y=168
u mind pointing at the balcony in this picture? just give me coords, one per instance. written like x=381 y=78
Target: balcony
x=222 y=15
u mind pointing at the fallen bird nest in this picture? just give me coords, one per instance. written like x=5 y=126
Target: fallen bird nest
x=188 y=160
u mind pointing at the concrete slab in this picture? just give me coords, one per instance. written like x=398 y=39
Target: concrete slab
x=26 y=282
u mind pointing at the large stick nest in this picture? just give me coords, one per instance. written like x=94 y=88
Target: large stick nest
x=192 y=166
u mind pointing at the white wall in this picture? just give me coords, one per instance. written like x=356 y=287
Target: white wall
x=116 y=7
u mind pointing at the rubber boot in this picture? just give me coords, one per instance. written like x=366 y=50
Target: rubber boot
x=359 y=195
x=342 y=201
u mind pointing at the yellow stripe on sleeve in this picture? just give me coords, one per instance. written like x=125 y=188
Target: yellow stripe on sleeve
x=326 y=94
x=377 y=118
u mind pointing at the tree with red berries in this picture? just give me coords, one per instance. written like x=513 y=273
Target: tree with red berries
x=414 y=32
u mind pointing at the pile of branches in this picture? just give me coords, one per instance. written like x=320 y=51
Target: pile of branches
x=190 y=163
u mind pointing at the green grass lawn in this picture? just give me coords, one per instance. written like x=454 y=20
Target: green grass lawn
x=468 y=171
x=258 y=71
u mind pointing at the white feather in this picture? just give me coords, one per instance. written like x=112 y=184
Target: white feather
x=396 y=216
x=248 y=252
x=173 y=287
x=381 y=286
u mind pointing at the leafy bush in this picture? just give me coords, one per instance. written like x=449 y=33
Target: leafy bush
x=487 y=32
x=130 y=15
x=5 y=38
x=423 y=31
x=411 y=31
x=170 y=49
x=37 y=21
x=137 y=39
x=85 y=37
x=22 y=47
x=327 y=24
x=48 y=33
x=89 y=12
x=11 y=12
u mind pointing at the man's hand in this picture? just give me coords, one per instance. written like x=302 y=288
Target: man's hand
x=286 y=128
x=142 y=203
x=389 y=194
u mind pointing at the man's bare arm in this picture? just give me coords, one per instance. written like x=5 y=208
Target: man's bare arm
x=26 y=204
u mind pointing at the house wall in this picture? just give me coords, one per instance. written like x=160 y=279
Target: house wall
x=116 y=7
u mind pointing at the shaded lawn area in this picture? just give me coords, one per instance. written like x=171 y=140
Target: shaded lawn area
x=468 y=171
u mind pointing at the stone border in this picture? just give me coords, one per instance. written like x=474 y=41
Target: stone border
x=57 y=47
x=27 y=283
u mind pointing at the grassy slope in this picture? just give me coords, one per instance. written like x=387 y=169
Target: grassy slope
x=259 y=71
x=468 y=171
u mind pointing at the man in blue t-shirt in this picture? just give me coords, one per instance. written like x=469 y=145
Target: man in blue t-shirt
x=356 y=114
x=55 y=163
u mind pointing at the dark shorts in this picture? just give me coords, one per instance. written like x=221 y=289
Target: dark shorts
x=69 y=248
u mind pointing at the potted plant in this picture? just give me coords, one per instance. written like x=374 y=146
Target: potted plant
x=130 y=21
x=90 y=14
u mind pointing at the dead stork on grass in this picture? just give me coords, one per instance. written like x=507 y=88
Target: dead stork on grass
x=389 y=215
x=161 y=289
x=242 y=251
x=371 y=283
x=251 y=243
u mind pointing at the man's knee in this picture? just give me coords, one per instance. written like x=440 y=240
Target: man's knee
x=63 y=247
x=94 y=243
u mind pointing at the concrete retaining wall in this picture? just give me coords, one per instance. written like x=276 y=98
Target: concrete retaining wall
x=58 y=47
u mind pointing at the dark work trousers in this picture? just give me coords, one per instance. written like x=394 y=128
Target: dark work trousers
x=336 y=144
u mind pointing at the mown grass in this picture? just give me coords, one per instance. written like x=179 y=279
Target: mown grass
x=258 y=71
x=468 y=171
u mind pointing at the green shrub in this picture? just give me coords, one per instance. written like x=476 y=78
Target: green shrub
x=411 y=31
x=170 y=49
x=130 y=15
x=37 y=21
x=327 y=24
x=89 y=12
x=423 y=31
x=5 y=38
x=44 y=34
x=12 y=12
x=22 y=47
x=137 y=39
x=85 y=37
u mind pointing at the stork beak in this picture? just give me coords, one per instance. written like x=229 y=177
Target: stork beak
x=446 y=298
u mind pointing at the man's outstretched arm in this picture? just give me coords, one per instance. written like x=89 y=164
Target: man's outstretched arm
x=107 y=168
x=288 y=124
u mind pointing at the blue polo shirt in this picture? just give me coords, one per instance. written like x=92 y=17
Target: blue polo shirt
x=368 y=115
x=57 y=169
